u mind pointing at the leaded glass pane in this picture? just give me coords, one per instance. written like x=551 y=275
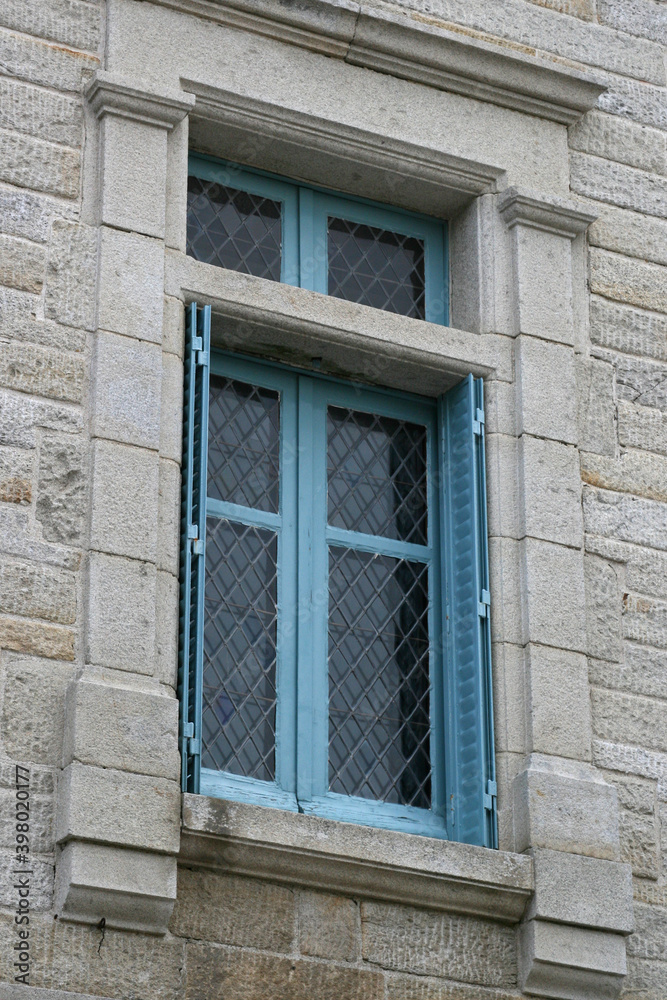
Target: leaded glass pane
x=234 y=229
x=376 y=475
x=376 y=267
x=244 y=444
x=239 y=699
x=379 y=723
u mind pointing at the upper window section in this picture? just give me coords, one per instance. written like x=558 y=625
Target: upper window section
x=345 y=247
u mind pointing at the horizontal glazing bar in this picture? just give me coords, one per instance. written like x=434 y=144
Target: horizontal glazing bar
x=245 y=515
x=376 y=543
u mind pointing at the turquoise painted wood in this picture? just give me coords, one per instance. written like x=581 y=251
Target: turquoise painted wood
x=461 y=751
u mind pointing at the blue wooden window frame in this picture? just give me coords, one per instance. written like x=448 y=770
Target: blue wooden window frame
x=462 y=761
x=305 y=210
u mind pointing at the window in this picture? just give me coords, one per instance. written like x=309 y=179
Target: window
x=348 y=248
x=335 y=648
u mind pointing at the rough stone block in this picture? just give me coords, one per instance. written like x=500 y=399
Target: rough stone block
x=134 y=175
x=596 y=406
x=16 y=471
x=625 y=329
x=639 y=844
x=43 y=113
x=121 y=613
x=36 y=638
x=169 y=517
x=43 y=371
x=640 y=380
x=638 y=472
x=33 y=710
x=543 y=269
x=133 y=890
x=19 y=414
x=18 y=322
x=71 y=275
x=69 y=957
x=405 y=987
x=61 y=487
x=546 y=405
x=41 y=166
x=37 y=591
x=21 y=264
x=641 y=103
x=622 y=141
x=219 y=973
x=123 y=727
x=649 y=940
x=124 y=508
x=41 y=810
x=585 y=9
x=233 y=910
x=631 y=234
x=572 y=963
x=560 y=716
x=565 y=806
x=425 y=943
x=645 y=620
x=627 y=518
x=603 y=608
x=114 y=807
x=67 y=21
x=329 y=927
x=648 y=979
x=130 y=285
x=641 y=17
x=22 y=213
x=171 y=440
x=627 y=280
x=41 y=882
x=36 y=61
x=642 y=427
x=551 y=495
x=553 y=590
x=166 y=628
x=586 y=892
x=126 y=391
x=618 y=184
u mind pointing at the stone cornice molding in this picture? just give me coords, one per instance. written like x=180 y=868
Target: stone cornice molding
x=345 y=858
x=553 y=215
x=415 y=47
x=109 y=94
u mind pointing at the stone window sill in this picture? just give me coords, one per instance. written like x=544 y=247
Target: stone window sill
x=359 y=861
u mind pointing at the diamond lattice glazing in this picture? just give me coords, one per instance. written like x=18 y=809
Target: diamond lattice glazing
x=239 y=703
x=244 y=444
x=234 y=229
x=377 y=475
x=376 y=267
x=379 y=723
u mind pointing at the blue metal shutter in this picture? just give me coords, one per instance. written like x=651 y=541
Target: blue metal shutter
x=471 y=766
x=193 y=536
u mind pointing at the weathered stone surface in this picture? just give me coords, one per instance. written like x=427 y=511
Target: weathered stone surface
x=68 y=21
x=121 y=613
x=124 y=515
x=166 y=628
x=559 y=703
x=630 y=719
x=33 y=710
x=16 y=469
x=329 y=927
x=637 y=795
x=42 y=370
x=171 y=421
x=71 y=274
x=621 y=185
x=638 y=472
x=232 y=910
x=643 y=671
x=35 y=638
x=39 y=62
x=646 y=980
x=639 y=844
x=21 y=264
x=627 y=280
x=219 y=973
x=553 y=616
x=42 y=785
x=83 y=960
x=649 y=940
x=37 y=591
x=603 y=609
x=630 y=233
x=42 y=166
x=126 y=391
x=630 y=519
x=545 y=410
x=625 y=329
x=645 y=569
x=551 y=491
x=18 y=322
x=631 y=760
x=41 y=882
x=645 y=620
x=17 y=539
x=622 y=141
x=585 y=9
x=169 y=517
x=595 y=411
x=401 y=987
x=640 y=102
x=24 y=214
x=131 y=280
x=173 y=326
x=640 y=381
x=61 y=487
x=425 y=943
x=642 y=427
x=42 y=113
x=644 y=18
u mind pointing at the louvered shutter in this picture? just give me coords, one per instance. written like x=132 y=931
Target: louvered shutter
x=470 y=767
x=193 y=536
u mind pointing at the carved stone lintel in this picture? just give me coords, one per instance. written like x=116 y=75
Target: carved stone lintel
x=109 y=94
x=553 y=215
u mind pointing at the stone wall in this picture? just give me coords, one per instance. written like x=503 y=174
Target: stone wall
x=235 y=937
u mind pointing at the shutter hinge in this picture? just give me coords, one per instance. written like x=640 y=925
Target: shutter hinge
x=192 y=745
x=484 y=604
x=198 y=348
x=490 y=795
x=197 y=542
x=478 y=422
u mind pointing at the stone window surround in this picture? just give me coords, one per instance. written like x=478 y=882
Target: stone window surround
x=498 y=235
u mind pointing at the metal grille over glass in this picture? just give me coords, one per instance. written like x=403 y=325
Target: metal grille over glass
x=379 y=688
x=240 y=604
x=377 y=267
x=234 y=229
